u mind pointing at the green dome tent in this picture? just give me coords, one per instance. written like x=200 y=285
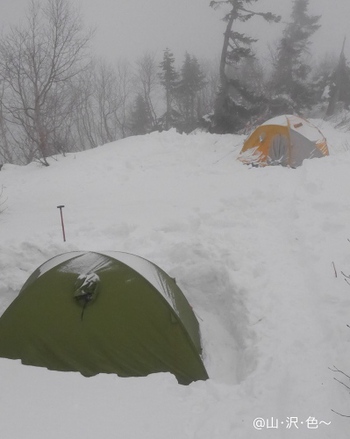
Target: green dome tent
x=110 y=312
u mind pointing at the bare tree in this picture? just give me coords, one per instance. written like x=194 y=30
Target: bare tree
x=148 y=84
x=209 y=93
x=97 y=120
x=6 y=153
x=39 y=63
x=103 y=98
x=107 y=99
x=126 y=95
x=84 y=128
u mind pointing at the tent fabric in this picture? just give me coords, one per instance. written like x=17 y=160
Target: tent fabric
x=110 y=312
x=284 y=140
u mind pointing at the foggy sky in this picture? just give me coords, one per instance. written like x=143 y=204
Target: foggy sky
x=130 y=28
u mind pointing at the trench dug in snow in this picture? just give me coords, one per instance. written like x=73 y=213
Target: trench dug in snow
x=257 y=239
x=208 y=281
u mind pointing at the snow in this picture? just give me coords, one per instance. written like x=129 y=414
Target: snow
x=53 y=262
x=302 y=126
x=258 y=252
x=147 y=270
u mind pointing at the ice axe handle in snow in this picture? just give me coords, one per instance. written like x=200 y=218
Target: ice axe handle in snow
x=62 y=223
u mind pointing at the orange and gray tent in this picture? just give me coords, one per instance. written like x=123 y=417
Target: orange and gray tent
x=284 y=140
x=110 y=312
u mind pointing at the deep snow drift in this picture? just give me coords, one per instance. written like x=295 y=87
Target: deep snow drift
x=259 y=254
